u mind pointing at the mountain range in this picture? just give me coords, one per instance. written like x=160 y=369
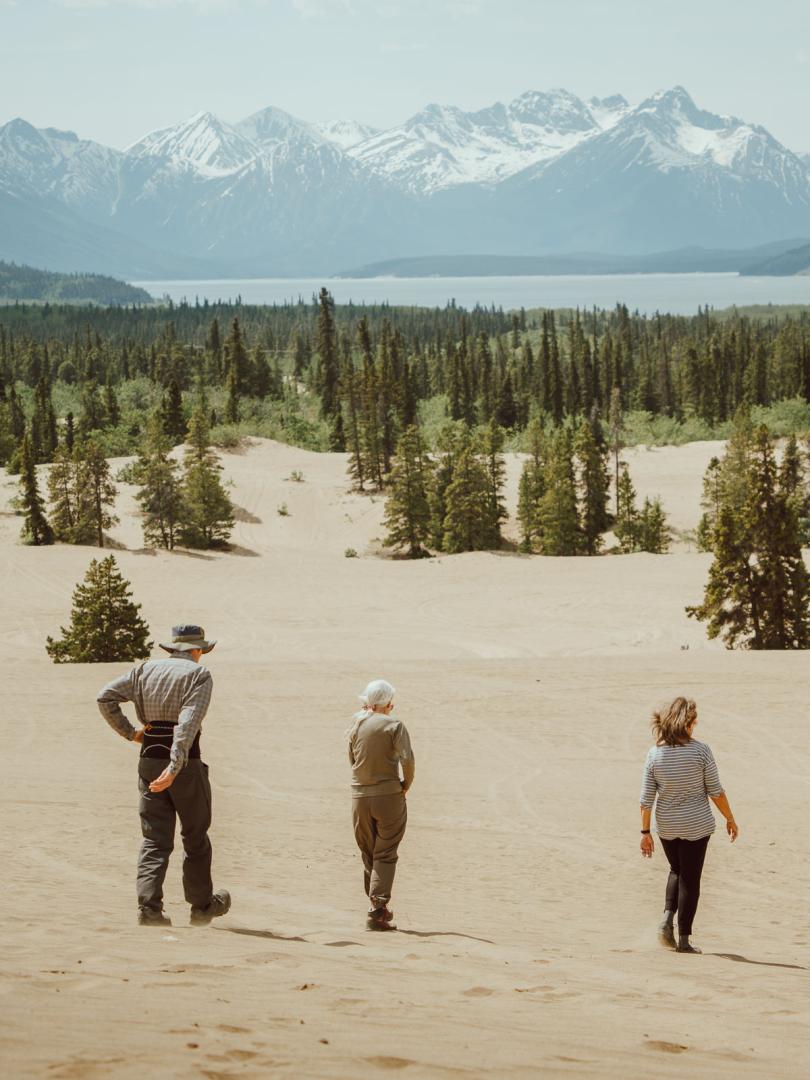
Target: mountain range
x=273 y=195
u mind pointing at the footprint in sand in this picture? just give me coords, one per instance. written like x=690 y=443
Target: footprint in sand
x=384 y=1062
x=666 y=1047
x=478 y=991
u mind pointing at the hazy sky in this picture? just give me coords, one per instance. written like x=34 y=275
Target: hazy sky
x=114 y=69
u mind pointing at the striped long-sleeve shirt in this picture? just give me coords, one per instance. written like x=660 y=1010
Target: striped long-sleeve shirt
x=679 y=780
x=174 y=692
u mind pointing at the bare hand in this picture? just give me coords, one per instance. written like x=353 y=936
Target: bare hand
x=138 y=736
x=732 y=830
x=647 y=846
x=165 y=780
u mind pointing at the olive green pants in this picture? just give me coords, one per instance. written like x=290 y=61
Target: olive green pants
x=379 y=825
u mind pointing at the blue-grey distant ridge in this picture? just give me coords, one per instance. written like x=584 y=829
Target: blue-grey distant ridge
x=273 y=195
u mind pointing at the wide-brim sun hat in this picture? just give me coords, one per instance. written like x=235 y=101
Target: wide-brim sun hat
x=186 y=638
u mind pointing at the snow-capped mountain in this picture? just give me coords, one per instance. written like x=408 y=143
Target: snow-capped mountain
x=56 y=165
x=277 y=194
x=202 y=145
x=667 y=174
x=346 y=133
x=443 y=146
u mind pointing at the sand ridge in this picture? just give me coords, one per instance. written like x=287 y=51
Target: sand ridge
x=527 y=916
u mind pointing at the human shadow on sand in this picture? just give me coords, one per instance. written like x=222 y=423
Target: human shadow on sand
x=444 y=933
x=271 y=934
x=760 y=963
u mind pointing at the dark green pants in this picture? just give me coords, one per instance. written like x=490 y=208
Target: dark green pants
x=189 y=798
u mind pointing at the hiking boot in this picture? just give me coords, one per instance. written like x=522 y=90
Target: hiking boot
x=148 y=916
x=380 y=919
x=219 y=904
x=666 y=935
x=684 y=945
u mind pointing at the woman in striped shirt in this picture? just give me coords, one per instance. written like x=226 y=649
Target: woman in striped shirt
x=680 y=776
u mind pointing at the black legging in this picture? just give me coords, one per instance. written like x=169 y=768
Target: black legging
x=683 y=884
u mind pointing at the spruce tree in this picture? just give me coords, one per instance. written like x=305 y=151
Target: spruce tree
x=111 y=406
x=452 y=438
x=615 y=432
x=207 y=512
x=592 y=477
x=730 y=605
x=758 y=590
x=793 y=484
x=95 y=491
x=63 y=496
x=159 y=496
x=653 y=532
x=173 y=420
x=407 y=508
x=352 y=397
x=104 y=622
x=627 y=524
x=36 y=528
x=531 y=488
x=371 y=433
x=491 y=442
x=558 y=516
x=329 y=363
x=465 y=522
x=711 y=502
x=772 y=530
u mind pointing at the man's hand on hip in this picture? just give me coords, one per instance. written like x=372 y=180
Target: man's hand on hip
x=165 y=780
x=139 y=734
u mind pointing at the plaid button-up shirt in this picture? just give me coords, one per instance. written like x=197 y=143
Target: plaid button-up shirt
x=171 y=691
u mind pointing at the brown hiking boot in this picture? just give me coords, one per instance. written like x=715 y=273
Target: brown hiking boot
x=380 y=919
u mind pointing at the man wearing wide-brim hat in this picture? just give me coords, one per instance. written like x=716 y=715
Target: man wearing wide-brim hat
x=171 y=697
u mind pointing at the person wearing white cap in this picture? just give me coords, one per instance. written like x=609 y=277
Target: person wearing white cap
x=378 y=747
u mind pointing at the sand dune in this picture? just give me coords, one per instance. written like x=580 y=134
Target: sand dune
x=527 y=917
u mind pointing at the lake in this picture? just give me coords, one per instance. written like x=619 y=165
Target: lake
x=676 y=293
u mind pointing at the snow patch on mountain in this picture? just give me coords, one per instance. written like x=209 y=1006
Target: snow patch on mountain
x=203 y=144
x=345 y=133
x=444 y=146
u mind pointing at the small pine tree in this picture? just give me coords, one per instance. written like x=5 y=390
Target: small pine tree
x=730 y=605
x=95 y=492
x=465 y=525
x=159 y=496
x=104 y=622
x=532 y=488
x=173 y=420
x=627 y=523
x=207 y=512
x=615 y=433
x=62 y=496
x=111 y=406
x=653 y=532
x=558 y=516
x=36 y=528
x=592 y=484
x=758 y=590
x=407 y=508
x=711 y=503
x=491 y=452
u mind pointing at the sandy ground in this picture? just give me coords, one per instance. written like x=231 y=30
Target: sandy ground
x=527 y=917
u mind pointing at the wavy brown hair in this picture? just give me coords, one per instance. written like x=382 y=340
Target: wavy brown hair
x=670 y=725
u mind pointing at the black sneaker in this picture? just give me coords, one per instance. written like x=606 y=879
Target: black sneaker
x=152 y=917
x=380 y=919
x=219 y=904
